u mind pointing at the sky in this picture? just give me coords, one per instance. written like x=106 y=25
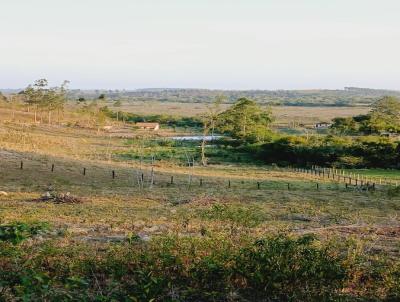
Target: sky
x=215 y=44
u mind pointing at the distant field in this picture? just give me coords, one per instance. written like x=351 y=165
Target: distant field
x=283 y=114
x=314 y=114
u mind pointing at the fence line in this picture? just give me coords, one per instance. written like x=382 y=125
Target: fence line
x=149 y=178
x=348 y=178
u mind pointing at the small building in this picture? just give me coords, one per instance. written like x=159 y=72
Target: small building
x=148 y=126
x=322 y=125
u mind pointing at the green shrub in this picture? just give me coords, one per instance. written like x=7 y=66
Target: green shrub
x=235 y=214
x=289 y=269
x=18 y=231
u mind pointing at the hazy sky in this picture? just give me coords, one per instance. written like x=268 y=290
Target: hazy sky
x=229 y=44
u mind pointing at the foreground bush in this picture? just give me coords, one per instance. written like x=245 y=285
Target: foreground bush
x=278 y=268
x=285 y=268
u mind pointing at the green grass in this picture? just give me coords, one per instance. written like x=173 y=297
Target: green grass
x=178 y=152
x=377 y=173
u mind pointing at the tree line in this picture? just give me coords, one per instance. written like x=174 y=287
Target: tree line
x=331 y=150
x=250 y=125
x=41 y=99
x=383 y=118
x=44 y=101
x=349 y=96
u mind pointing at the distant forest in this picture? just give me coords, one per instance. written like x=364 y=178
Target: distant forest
x=349 y=96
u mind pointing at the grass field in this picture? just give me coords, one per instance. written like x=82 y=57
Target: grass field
x=283 y=114
x=170 y=237
x=378 y=173
x=303 y=208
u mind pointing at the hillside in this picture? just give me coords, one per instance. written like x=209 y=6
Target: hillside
x=346 y=97
x=349 y=96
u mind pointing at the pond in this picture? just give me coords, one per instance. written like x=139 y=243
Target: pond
x=196 y=138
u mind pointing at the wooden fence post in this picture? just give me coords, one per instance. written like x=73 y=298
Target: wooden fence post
x=84 y=171
x=52 y=167
x=152 y=177
x=21 y=165
x=113 y=174
x=172 y=180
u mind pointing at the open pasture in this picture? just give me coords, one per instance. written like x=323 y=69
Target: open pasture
x=277 y=194
x=283 y=114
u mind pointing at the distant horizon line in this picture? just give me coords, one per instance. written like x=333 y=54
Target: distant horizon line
x=213 y=89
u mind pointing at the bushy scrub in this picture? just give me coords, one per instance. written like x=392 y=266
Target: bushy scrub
x=211 y=268
x=18 y=231
x=289 y=269
x=235 y=214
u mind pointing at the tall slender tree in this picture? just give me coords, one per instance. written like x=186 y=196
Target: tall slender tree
x=210 y=121
x=35 y=95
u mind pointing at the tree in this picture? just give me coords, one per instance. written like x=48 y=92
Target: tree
x=385 y=115
x=210 y=120
x=55 y=99
x=3 y=98
x=246 y=120
x=97 y=115
x=15 y=101
x=41 y=96
x=344 y=125
x=35 y=95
